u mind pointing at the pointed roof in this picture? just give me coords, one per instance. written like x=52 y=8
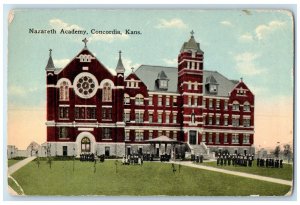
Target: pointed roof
x=120 y=67
x=191 y=45
x=211 y=80
x=162 y=76
x=50 y=64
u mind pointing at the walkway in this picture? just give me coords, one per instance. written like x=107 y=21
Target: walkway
x=12 y=169
x=241 y=174
x=19 y=165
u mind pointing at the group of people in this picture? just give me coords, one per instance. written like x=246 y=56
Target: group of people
x=197 y=158
x=90 y=157
x=235 y=159
x=132 y=159
x=269 y=163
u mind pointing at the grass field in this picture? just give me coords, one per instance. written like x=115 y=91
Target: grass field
x=12 y=162
x=14 y=186
x=281 y=173
x=150 y=179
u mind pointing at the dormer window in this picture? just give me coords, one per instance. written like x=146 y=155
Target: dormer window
x=211 y=85
x=162 y=81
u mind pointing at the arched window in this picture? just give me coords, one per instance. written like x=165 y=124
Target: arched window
x=107 y=93
x=85 y=145
x=63 y=91
x=246 y=106
x=126 y=99
x=235 y=105
x=139 y=99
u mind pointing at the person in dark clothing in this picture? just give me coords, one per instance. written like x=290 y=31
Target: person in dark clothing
x=257 y=162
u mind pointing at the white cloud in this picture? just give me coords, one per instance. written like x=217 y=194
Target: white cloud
x=21 y=91
x=247 y=37
x=245 y=64
x=108 y=37
x=60 y=63
x=226 y=23
x=128 y=64
x=170 y=61
x=172 y=23
x=60 y=24
x=262 y=30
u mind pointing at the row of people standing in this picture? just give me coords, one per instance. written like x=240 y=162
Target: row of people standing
x=132 y=159
x=235 y=160
x=269 y=163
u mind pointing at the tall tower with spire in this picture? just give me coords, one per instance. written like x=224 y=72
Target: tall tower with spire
x=190 y=79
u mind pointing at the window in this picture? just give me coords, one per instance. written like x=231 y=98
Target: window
x=159 y=101
x=174 y=118
x=163 y=84
x=212 y=88
x=190 y=100
x=210 y=120
x=64 y=91
x=235 y=138
x=246 y=107
x=139 y=99
x=217 y=120
x=85 y=113
x=217 y=138
x=246 y=139
x=150 y=100
x=175 y=135
x=167 y=118
x=139 y=117
x=195 y=86
x=159 y=118
x=210 y=138
x=139 y=135
x=127 y=135
x=225 y=121
x=218 y=104
x=235 y=106
x=150 y=117
x=150 y=135
x=193 y=120
x=174 y=101
x=106 y=133
x=189 y=85
x=246 y=122
x=107 y=93
x=63 y=112
x=85 y=145
x=106 y=113
x=204 y=137
x=225 y=138
x=63 y=132
x=195 y=101
x=107 y=151
x=225 y=105
x=204 y=103
x=126 y=99
x=167 y=101
x=127 y=116
x=235 y=122
x=210 y=103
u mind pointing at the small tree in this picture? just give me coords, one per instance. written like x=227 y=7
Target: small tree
x=277 y=151
x=287 y=152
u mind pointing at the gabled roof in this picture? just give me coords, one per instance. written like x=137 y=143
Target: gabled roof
x=162 y=76
x=211 y=80
x=148 y=74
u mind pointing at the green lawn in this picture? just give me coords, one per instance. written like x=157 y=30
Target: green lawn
x=14 y=186
x=281 y=173
x=12 y=161
x=150 y=179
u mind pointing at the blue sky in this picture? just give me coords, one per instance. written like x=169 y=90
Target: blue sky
x=255 y=45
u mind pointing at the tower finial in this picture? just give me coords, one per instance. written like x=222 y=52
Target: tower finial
x=120 y=54
x=50 y=52
x=132 y=68
x=241 y=79
x=85 y=42
x=192 y=33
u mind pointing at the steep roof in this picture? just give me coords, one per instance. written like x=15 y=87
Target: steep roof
x=211 y=80
x=162 y=75
x=191 y=45
x=50 y=64
x=148 y=74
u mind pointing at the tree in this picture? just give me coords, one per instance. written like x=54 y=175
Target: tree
x=287 y=152
x=277 y=151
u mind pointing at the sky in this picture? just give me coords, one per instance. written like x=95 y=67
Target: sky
x=254 y=44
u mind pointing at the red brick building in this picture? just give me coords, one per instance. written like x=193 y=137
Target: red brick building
x=91 y=109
